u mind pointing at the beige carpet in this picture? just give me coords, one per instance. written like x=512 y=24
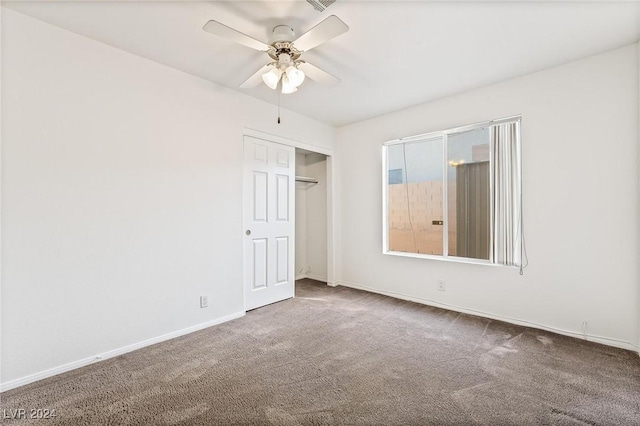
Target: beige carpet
x=342 y=356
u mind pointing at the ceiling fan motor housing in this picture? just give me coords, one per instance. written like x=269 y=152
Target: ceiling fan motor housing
x=282 y=33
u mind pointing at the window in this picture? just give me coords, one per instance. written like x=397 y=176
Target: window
x=455 y=194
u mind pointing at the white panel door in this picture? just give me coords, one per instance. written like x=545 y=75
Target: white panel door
x=269 y=206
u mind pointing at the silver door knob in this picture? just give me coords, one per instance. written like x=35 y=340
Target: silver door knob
x=248 y=232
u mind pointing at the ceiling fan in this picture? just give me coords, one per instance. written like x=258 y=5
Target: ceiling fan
x=285 y=70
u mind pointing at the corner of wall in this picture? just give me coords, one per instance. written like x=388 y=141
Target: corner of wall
x=1 y=192
x=638 y=188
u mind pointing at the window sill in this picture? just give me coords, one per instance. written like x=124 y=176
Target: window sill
x=455 y=259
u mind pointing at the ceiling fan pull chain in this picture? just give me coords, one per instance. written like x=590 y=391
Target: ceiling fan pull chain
x=278 y=107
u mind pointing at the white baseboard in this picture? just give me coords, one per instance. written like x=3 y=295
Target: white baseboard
x=313 y=277
x=12 y=384
x=589 y=337
x=317 y=278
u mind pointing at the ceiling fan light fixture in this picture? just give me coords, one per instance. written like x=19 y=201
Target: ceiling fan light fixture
x=285 y=49
x=295 y=76
x=272 y=78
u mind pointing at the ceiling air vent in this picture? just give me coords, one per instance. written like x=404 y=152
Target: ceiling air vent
x=320 y=5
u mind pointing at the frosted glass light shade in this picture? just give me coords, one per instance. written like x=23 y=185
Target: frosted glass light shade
x=287 y=85
x=272 y=78
x=296 y=77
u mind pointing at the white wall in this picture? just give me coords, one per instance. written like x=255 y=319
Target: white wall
x=1 y=173
x=121 y=196
x=580 y=159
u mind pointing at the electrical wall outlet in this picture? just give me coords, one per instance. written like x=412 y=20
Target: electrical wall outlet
x=204 y=301
x=441 y=285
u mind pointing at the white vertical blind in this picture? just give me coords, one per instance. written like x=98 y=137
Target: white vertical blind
x=507 y=189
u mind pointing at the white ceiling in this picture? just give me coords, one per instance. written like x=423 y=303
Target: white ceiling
x=396 y=54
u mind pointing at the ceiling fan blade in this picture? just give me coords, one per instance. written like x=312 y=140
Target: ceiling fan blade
x=316 y=74
x=221 y=30
x=256 y=78
x=324 y=31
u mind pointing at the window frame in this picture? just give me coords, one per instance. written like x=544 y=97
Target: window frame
x=444 y=134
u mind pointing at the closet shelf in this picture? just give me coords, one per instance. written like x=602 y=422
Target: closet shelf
x=306 y=179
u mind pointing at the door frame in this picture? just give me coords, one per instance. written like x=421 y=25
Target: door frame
x=331 y=213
